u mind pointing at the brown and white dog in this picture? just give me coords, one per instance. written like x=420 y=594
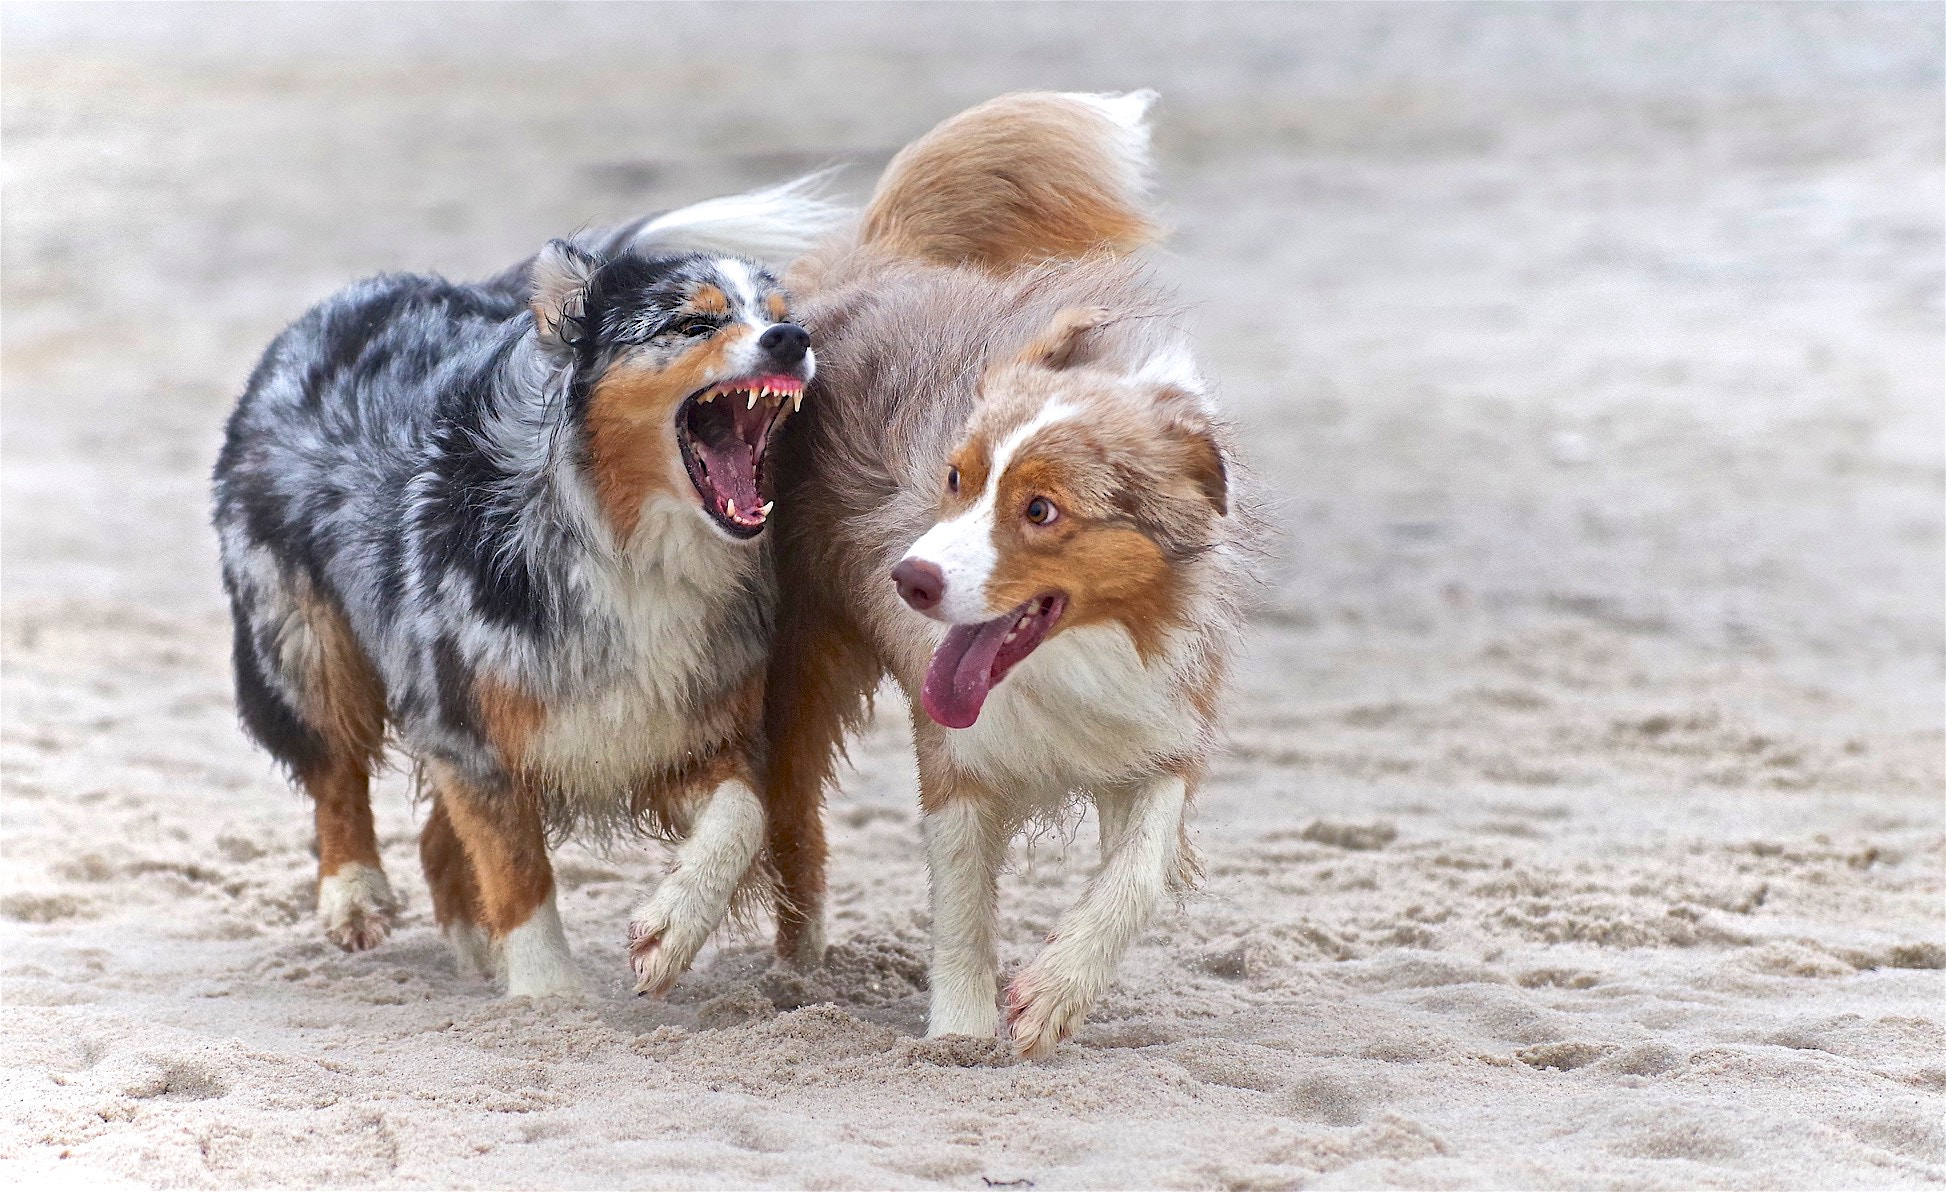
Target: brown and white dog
x=1011 y=491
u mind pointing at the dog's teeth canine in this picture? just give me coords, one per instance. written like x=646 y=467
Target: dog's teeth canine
x=752 y=403
x=797 y=403
x=732 y=509
x=764 y=509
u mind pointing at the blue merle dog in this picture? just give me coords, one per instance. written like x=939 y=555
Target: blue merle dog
x=513 y=526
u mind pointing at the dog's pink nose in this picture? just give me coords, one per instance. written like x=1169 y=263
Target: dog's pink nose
x=920 y=583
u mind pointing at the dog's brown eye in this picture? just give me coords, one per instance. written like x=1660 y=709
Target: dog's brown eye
x=952 y=480
x=1041 y=511
x=695 y=327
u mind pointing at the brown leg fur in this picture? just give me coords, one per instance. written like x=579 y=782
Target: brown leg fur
x=820 y=680
x=455 y=892
x=345 y=704
x=505 y=849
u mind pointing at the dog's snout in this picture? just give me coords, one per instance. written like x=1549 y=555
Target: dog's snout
x=786 y=343
x=920 y=584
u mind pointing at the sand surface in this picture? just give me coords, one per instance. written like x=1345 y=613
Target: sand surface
x=1582 y=821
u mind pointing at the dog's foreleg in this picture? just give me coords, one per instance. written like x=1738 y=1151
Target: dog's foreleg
x=506 y=853
x=1048 y=1000
x=455 y=893
x=668 y=930
x=965 y=842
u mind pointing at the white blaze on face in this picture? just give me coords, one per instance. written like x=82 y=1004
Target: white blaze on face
x=741 y=287
x=962 y=547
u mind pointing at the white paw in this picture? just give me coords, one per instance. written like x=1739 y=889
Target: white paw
x=962 y=1007
x=1043 y=1008
x=355 y=907
x=472 y=950
x=538 y=961
x=662 y=940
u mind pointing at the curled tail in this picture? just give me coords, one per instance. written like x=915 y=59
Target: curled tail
x=771 y=226
x=1027 y=177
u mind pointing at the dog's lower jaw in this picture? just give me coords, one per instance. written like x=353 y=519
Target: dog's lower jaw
x=355 y=906
x=668 y=930
x=537 y=957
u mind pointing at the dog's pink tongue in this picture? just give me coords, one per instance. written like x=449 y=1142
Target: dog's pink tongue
x=961 y=673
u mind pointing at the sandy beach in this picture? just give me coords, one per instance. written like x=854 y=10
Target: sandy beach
x=1582 y=820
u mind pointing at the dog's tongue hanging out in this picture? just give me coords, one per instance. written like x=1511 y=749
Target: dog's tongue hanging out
x=973 y=658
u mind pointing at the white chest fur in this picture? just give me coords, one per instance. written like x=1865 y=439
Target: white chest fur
x=671 y=659
x=1081 y=711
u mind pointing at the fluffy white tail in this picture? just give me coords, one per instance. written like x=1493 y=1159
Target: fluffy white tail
x=772 y=226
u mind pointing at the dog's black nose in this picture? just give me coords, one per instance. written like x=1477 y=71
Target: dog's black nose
x=786 y=343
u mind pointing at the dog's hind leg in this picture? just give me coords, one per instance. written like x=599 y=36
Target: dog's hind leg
x=455 y=892
x=346 y=703
x=505 y=845
x=308 y=693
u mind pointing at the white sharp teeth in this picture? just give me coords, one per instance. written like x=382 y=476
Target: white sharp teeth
x=797 y=403
x=733 y=510
x=752 y=403
x=764 y=509
x=710 y=396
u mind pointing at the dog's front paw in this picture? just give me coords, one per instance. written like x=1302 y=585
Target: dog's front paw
x=356 y=906
x=1043 y=1008
x=660 y=947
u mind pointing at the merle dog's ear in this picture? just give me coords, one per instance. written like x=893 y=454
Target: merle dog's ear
x=560 y=272
x=1065 y=343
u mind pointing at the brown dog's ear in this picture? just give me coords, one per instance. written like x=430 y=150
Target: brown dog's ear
x=1201 y=460
x=561 y=273
x=1065 y=342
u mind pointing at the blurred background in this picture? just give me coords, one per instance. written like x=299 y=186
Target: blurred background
x=1620 y=315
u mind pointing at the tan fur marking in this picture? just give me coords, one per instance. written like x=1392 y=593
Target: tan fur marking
x=1109 y=571
x=344 y=700
x=341 y=790
x=631 y=429
x=779 y=309
x=709 y=300
x=449 y=875
x=509 y=718
x=344 y=703
x=505 y=847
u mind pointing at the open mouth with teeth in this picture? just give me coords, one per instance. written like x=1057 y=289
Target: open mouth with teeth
x=973 y=658
x=724 y=432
